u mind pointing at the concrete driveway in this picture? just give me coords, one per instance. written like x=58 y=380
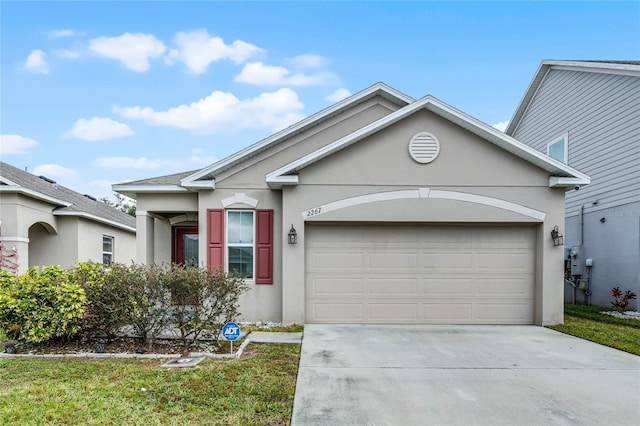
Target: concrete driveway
x=484 y=375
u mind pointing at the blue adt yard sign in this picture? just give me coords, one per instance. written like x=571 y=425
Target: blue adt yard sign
x=231 y=331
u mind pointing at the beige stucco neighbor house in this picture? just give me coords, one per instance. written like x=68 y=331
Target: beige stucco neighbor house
x=43 y=223
x=404 y=211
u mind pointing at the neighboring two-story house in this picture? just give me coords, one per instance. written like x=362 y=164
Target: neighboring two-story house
x=44 y=223
x=587 y=115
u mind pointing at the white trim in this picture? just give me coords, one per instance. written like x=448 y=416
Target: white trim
x=14 y=239
x=239 y=198
x=34 y=194
x=187 y=217
x=564 y=137
x=559 y=182
x=7 y=181
x=201 y=184
x=96 y=219
x=297 y=127
x=424 y=193
x=113 y=248
x=275 y=178
x=252 y=245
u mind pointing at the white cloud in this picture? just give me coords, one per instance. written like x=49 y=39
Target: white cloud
x=133 y=50
x=15 y=144
x=259 y=74
x=307 y=61
x=98 y=129
x=224 y=112
x=338 y=95
x=36 y=62
x=197 y=49
x=502 y=126
x=53 y=171
x=66 y=53
x=135 y=163
x=62 y=33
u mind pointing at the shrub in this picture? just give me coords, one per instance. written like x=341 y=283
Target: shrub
x=109 y=302
x=151 y=301
x=40 y=304
x=203 y=300
x=621 y=300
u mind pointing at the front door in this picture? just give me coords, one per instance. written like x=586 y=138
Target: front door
x=185 y=247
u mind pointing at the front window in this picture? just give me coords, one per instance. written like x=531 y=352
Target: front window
x=107 y=250
x=240 y=234
x=559 y=149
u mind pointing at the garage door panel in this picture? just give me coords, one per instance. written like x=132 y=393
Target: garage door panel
x=420 y=274
x=393 y=312
x=337 y=286
x=394 y=287
x=447 y=286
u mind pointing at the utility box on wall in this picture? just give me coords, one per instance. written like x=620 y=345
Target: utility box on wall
x=577 y=260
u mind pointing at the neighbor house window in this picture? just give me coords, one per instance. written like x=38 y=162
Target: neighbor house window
x=559 y=149
x=107 y=250
x=240 y=234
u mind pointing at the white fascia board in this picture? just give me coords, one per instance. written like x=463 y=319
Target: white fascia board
x=277 y=182
x=96 y=219
x=200 y=184
x=567 y=182
x=449 y=113
x=7 y=181
x=295 y=128
x=34 y=194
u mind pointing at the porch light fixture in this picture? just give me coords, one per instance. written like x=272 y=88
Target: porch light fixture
x=293 y=235
x=557 y=237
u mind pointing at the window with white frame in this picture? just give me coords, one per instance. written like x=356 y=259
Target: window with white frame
x=107 y=250
x=240 y=234
x=559 y=148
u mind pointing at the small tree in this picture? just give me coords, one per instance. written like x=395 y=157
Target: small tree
x=203 y=300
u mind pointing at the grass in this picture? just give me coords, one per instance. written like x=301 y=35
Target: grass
x=293 y=328
x=588 y=323
x=255 y=390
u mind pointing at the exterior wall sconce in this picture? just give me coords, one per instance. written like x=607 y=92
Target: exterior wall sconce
x=603 y=220
x=293 y=235
x=557 y=237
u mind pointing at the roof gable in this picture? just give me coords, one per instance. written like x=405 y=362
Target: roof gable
x=605 y=67
x=378 y=89
x=561 y=174
x=65 y=201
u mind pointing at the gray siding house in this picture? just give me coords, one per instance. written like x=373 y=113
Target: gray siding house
x=587 y=115
x=44 y=223
x=378 y=209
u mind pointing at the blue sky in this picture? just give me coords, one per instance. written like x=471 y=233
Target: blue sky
x=95 y=93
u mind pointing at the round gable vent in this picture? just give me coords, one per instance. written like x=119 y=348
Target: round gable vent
x=424 y=147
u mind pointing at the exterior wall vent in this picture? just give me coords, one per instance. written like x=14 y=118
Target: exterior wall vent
x=424 y=147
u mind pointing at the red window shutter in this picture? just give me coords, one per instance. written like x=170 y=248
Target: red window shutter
x=264 y=247
x=215 y=238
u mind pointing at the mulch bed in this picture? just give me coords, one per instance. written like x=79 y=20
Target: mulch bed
x=118 y=345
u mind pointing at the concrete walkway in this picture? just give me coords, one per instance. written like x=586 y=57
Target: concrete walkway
x=461 y=375
x=274 y=337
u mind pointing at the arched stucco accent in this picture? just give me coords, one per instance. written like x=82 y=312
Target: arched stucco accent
x=47 y=227
x=239 y=198
x=426 y=193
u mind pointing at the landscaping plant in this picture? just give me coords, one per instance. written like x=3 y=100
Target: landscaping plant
x=621 y=301
x=40 y=305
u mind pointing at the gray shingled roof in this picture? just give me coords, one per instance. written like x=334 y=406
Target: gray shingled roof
x=173 y=179
x=78 y=202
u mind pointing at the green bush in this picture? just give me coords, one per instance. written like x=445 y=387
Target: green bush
x=203 y=300
x=40 y=304
x=109 y=302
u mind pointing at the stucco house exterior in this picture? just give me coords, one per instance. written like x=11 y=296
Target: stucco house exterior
x=44 y=223
x=587 y=115
x=403 y=211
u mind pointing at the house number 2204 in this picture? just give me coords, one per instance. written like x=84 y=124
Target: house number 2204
x=313 y=212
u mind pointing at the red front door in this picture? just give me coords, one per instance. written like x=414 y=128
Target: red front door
x=185 y=245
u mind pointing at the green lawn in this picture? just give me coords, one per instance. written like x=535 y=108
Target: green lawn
x=255 y=390
x=588 y=323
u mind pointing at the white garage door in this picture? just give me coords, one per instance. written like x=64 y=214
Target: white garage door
x=419 y=274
